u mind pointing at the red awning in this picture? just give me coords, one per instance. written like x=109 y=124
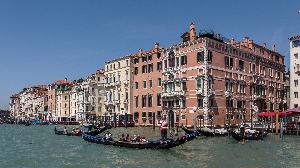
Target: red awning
x=272 y=114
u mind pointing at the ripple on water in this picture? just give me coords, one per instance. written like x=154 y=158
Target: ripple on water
x=37 y=146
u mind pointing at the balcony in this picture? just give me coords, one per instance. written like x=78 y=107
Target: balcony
x=107 y=103
x=258 y=97
x=210 y=92
x=200 y=91
x=228 y=93
x=173 y=94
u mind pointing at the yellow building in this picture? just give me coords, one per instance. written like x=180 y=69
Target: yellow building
x=118 y=86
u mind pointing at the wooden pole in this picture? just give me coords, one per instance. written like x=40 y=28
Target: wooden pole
x=277 y=124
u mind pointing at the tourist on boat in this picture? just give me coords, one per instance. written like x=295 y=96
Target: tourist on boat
x=128 y=139
x=108 y=136
x=163 y=128
x=123 y=138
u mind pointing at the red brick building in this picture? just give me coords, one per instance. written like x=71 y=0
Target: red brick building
x=147 y=84
x=227 y=81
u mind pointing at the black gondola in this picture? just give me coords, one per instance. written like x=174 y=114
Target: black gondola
x=157 y=144
x=248 y=136
x=204 y=133
x=93 y=132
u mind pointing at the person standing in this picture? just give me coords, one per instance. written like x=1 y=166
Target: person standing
x=163 y=128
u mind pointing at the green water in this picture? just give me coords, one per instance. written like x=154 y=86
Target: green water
x=37 y=146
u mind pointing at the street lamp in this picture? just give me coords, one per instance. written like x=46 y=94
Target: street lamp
x=195 y=121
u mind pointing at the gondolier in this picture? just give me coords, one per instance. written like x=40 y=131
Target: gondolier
x=163 y=128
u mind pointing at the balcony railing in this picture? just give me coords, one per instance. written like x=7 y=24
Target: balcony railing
x=258 y=97
x=173 y=93
x=228 y=93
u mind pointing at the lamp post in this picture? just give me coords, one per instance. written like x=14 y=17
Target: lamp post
x=195 y=121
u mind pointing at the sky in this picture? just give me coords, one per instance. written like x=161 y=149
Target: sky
x=42 y=41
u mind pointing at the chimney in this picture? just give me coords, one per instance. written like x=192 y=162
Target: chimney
x=232 y=41
x=265 y=45
x=274 y=47
x=140 y=52
x=156 y=46
x=66 y=80
x=193 y=35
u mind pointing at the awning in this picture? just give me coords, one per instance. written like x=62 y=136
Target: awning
x=272 y=114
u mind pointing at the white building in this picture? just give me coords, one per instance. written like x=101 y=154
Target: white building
x=294 y=71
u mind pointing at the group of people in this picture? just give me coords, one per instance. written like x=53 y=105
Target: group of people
x=108 y=136
x=136 y=138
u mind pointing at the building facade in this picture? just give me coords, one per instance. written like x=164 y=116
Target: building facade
x=147 y=84
x=223 y=82
x=118 y=87
x=294 y=71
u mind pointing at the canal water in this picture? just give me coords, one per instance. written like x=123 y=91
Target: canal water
x=38 y=146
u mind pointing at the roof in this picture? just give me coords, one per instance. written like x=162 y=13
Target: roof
x=294 y=37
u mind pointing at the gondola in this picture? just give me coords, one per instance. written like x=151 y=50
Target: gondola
x=206 y=132
x=157 y=144
x=93 y=132
x=248 y=136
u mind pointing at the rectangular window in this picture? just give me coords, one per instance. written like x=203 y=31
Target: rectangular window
x=199 y=83
x=296 y=55
x=150 y=68
x=159 y=82
x=241 y=65
x=150 y=83
x=166 y=64
x=209 y=56
x=150 y=57
x=159 y=66
x=184 y=86
x=144 y=59
x=136 y=70
x=149 y=100
x=296 y=94
x=136 y=116
x=158 y=99
x=137 y=101
x=144 y=98
x=200 y=56
x=296 y=83
x=183 y=60
x=145 y=84
x=144 y=115
x=177 y=61
x=200 y=102
x=183 y=102
x=228 y=62
x=144 y=69
x=136 y=85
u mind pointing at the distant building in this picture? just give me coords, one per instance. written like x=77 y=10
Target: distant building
x=118 y=87
x=294 y=71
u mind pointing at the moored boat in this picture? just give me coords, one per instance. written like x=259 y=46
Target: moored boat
x=249 y=135
x=208 y=132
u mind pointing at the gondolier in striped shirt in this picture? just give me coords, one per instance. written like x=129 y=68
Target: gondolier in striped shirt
x=163 y=128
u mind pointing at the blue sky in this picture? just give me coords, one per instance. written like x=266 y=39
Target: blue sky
x=42 y=41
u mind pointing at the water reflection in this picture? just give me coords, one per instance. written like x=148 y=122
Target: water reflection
x=37 y=146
